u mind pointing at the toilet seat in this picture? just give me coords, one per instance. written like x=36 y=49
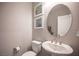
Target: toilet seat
x=29 y=53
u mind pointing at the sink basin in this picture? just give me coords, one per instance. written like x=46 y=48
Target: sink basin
x=57 y=48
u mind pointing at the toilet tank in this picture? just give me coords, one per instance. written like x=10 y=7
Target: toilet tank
x=36 y=46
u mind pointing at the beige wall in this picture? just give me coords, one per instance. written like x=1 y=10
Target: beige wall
x=70 y=38
x=15 y=27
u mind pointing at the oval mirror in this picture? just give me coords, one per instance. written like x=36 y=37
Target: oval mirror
x=59 y=20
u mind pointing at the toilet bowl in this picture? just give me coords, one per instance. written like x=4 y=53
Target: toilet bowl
x=36 y=47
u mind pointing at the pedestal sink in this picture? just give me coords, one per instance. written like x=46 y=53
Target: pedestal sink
x=57 y=48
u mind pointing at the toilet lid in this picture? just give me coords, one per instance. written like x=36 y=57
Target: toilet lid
x=29 y=53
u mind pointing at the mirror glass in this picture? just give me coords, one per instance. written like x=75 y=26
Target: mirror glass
x=59 y=20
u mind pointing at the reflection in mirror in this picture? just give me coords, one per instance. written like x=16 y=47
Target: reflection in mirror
x=59 y=20
x=49 y=29
x=64 y=23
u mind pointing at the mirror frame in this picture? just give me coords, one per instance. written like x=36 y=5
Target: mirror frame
x=50 y=12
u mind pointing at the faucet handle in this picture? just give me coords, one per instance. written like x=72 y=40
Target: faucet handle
x=57 y=42
x=53 y=42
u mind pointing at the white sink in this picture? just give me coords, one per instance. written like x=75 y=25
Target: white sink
x=57 y=48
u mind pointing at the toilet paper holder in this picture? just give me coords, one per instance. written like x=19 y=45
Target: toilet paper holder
x=16 y=50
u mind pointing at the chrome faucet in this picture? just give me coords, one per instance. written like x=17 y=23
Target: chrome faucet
x=60 y=43
x=56 y=40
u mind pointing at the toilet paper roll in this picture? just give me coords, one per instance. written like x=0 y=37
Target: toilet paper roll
x=17 y=48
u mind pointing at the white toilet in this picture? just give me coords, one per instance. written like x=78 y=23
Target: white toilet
x=36 y=47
